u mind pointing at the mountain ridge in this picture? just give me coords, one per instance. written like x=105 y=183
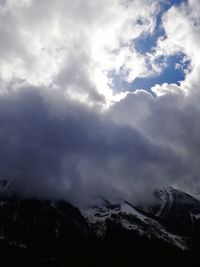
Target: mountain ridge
x=56 y=233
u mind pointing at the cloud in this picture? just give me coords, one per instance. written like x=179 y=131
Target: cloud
x=65 y=128
x=74 y=46
x=64 y=149
x=182 y=35
x=170 y=120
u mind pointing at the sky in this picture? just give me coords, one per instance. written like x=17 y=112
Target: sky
x=99 y=98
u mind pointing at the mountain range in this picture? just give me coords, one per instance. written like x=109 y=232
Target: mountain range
x=35 y=232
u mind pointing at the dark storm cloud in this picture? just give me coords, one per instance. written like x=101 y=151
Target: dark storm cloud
x=74 y=152
x=170 y=121
x=174 y=121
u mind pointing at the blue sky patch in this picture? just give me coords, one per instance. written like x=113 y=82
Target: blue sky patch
x=147 y=41
x=173 y=73
x=175 y=66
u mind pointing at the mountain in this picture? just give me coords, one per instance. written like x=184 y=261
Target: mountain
x=178 y=212
x=37 y=232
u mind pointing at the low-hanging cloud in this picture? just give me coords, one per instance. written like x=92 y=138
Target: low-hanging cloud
x=74 y=152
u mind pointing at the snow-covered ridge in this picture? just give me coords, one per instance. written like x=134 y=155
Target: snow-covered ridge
x=174 y=217
x=131 y=219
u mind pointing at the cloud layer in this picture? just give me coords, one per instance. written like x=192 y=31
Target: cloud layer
x=66 y=129
x=76 y=153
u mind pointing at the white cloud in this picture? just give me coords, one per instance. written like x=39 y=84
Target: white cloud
x=182 y=35
x=44 y=41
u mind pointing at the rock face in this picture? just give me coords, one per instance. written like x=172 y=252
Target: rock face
x=55 y=233
x=176 y=210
